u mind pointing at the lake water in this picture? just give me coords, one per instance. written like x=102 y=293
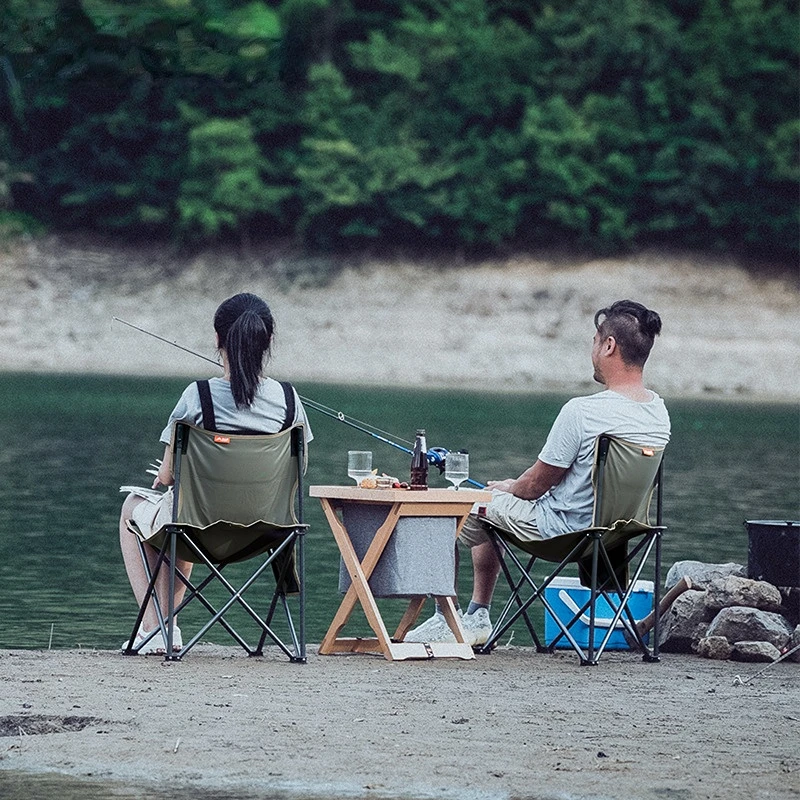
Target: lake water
x=69 y=442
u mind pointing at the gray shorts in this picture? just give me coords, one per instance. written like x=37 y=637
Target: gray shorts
x=505 y=511
x=148 y=517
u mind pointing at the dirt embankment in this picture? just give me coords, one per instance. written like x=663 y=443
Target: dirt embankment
x=520 y=324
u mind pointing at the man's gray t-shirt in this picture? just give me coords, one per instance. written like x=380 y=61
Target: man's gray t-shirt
x=267 y=412
x=571 y=441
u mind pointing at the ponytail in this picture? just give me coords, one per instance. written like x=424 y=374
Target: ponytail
x=245 y=328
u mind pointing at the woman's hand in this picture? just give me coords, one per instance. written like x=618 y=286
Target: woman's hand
x=164 y=477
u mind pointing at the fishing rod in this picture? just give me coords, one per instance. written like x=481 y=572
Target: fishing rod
x=436 y=455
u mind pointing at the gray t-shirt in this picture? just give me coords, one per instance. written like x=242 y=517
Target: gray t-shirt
x=267 y=413
x=570 y=443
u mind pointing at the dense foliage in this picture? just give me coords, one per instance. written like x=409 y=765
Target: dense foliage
x=466 y=123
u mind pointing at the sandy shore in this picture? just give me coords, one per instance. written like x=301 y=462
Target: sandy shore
x=515 y=724
x=511 y=325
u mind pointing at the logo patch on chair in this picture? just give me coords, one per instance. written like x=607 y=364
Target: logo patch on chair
x=222 y=439
x=648 y=451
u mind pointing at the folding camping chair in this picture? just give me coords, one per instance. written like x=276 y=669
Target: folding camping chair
x=234 y=500
x=625 y=476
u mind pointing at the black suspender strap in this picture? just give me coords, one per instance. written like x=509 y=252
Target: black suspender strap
x=288 y=393
x=206 y=406
x=210 y=420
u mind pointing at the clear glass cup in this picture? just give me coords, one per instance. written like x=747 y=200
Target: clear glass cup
x=359 y=465
x=456 y=468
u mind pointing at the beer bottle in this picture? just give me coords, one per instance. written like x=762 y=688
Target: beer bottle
x=419 y=463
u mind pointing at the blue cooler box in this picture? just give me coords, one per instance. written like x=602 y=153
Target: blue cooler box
x=566 y=596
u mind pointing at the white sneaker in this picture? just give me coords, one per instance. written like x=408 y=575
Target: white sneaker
x=477 y=626
x=156 y=644
x=434 y=629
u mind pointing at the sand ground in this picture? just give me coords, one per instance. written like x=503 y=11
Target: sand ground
x=513 y=724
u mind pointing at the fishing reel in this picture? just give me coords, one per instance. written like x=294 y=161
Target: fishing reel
x=437 y=457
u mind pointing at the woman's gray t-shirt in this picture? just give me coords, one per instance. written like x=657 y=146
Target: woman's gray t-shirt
x=266 y=414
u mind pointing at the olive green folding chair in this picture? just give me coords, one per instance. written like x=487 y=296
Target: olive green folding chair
x=610 y=556
x=236 y=498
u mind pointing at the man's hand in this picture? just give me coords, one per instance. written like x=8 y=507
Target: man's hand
x=533 y=483
x=500 y=486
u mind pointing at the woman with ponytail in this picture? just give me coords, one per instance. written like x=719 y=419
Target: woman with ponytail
x=244 y=400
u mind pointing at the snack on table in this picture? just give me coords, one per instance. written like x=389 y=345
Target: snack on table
x=383 y=481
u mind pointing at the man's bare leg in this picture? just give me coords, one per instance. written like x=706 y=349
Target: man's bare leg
x=486 y=569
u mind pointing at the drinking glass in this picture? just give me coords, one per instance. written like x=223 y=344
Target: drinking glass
x=359 y=465
x=456 y=468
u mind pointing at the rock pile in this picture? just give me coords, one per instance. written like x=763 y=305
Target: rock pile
x=727 y=615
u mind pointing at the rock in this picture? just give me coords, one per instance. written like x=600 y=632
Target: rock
x=755 y=651
x=790 y=597
x=794 y=642
x=685 y=622
x=701 y=574
x=714 y=647
x=740 y=624
x=735 y=591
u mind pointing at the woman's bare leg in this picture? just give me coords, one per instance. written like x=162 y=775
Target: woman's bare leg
x=137 y=576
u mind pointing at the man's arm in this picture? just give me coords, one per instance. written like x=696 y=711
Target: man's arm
x=533 y=483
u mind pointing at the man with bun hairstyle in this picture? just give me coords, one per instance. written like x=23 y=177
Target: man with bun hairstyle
x=554 y=496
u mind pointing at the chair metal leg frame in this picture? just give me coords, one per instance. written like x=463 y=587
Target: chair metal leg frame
x=592 y=654
x=505 y=622
x=299 y=642
x=194 y=591
x=646 y=544
x=649 y=654
x=217 y=615
x=515 y=587
x=619 y=607
x=150 y=593
x=236 y=596
x=655 y=654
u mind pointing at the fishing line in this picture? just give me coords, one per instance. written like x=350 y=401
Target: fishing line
x=436 y=455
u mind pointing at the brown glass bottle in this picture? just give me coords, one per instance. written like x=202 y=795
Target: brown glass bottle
x=419 y=463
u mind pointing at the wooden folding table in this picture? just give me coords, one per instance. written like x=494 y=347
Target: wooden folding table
x=401 y=503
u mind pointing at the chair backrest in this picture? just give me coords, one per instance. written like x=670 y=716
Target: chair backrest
x=625 y=476
x=238 y=479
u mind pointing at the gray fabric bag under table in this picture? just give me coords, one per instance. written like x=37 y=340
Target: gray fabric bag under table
x=419 y=558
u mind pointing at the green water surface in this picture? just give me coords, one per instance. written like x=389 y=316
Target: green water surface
x=69 y=442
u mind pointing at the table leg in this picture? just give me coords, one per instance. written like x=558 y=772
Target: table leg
x=448 y=609
x=359 y=590
x=410 y=617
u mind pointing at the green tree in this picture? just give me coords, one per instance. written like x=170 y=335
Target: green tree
x=224 y=188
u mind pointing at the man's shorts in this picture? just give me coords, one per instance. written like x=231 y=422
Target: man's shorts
x=505 y=511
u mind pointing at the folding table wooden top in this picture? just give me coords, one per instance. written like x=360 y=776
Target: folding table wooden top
x=401 y=503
